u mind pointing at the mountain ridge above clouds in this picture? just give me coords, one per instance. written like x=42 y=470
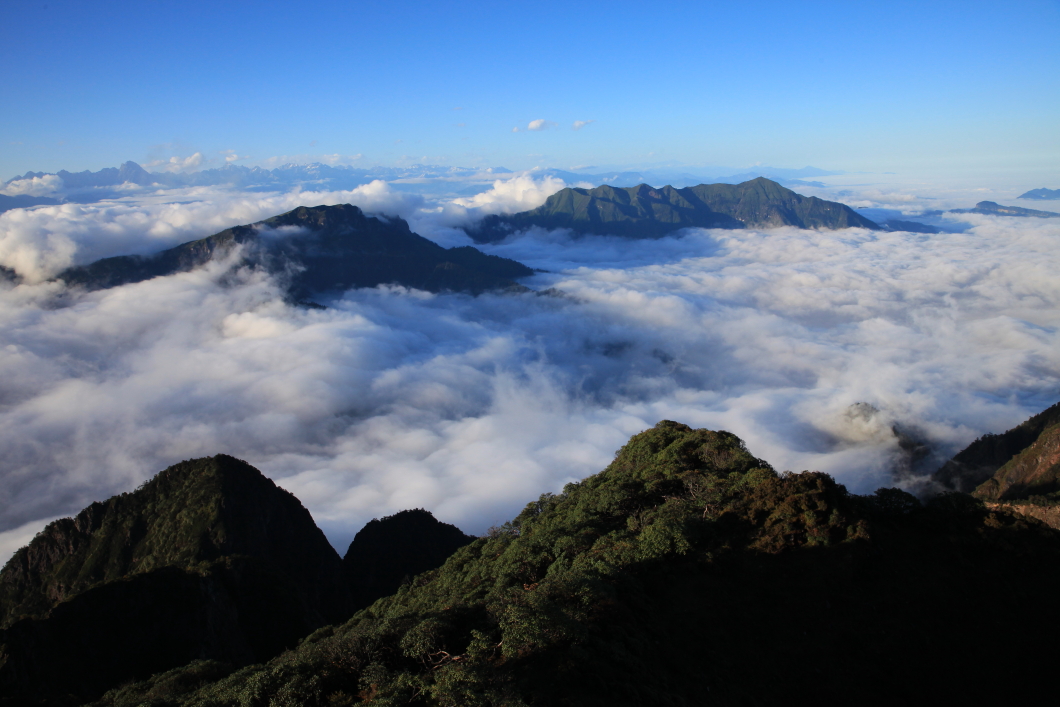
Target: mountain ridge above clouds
x=1042 y=194
x=992 y=208
x=603 y=594
x=319 y=249
x=646 y=212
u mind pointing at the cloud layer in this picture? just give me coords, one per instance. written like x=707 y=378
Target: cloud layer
x=392 y=399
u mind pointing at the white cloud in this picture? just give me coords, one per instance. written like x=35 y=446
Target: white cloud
x=177 y=164
x=579 y=124
x=540 y=124
x=393 y=399
x=48 y=185
x=39 y=243
x=233 y=156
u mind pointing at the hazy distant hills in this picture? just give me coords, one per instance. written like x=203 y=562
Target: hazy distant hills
x=23 y=201
x=320 y=249
x=992 y=208
x=87 y=186
x=646 y=212
x=1043 y=194
x=671 y=577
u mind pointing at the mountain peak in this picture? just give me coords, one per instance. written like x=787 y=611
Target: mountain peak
x=644 y=211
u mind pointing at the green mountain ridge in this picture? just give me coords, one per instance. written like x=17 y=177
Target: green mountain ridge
x=320 y=249
x=646 y=212
x=209 y=559
x=687 y=572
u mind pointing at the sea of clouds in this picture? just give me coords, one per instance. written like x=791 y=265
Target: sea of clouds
x=472 y=406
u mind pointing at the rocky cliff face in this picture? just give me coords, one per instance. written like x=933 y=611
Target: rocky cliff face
x=1033 y=472
x=978 y=462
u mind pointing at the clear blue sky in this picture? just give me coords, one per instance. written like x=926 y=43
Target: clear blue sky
x=945 y=86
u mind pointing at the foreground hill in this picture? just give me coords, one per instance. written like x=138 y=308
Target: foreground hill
x=646 y=212
x=687 y=573
x=320 y=249
x=209 y=559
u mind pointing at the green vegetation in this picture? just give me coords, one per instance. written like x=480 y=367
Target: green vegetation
x=646 y=212
x=321 y=249
x=688 y=572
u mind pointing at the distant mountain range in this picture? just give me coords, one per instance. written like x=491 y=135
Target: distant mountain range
x=89 y=186
x=320 y=249
x=646 y=212
x=992 y=208
x=1043 y=194
x=669 y=578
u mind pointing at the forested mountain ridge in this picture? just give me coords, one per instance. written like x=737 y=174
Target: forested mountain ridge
x=688 y=572
x=208 y=559
x=320 y=249
x=647 y=212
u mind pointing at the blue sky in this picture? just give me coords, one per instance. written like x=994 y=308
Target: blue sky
x=940 y=88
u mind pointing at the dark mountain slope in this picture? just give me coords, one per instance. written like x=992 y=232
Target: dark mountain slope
x=978 y=462
x=686 y=573
x=1041 y=194
x=209 y=559
x=646 y=212
x=1033 y=472
x=320 y=249
x=193 y=512
x=391 y=550
x=23 y=201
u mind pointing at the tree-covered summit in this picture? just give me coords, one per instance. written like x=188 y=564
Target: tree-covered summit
x=648 y=212
x=320 y=249
x=688 y=572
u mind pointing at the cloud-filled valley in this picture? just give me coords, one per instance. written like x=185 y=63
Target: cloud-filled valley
x=470 y=406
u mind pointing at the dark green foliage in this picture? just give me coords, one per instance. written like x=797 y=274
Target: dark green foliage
x=995 y=209
x=977 y=462
x=332 y=248
x=688 y=573
x=390 y=550
x=646 y=212
x=207 y=559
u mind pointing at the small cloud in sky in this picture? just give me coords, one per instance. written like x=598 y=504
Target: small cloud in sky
x=313 y=143
x=460 y=125
x=233 y=156
x=515 y=129
x=459 y=108
x=540 y=124
x=579 y=124
x=16 y=142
